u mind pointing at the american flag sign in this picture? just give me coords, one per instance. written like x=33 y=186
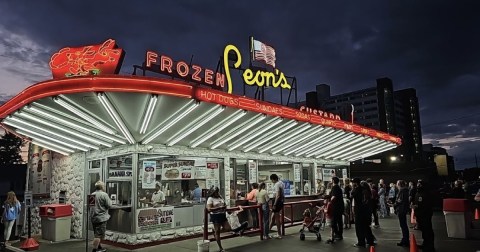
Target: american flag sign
x=263 y=52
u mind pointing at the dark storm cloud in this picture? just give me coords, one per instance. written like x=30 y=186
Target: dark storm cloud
x=432 y=46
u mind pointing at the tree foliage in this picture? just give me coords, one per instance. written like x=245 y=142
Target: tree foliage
x=10 y=146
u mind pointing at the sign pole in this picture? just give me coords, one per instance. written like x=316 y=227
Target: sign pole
x=90 y=203
x=30 y=243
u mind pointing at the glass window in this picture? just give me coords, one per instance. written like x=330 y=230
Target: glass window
x=119 y=179
x=285 y=172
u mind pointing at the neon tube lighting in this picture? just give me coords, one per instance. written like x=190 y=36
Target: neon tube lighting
x=285 y=138
x=78 y=112
x=116 y=117
x=254 y=134
x=148 y=113
x=316 y=143
x=28 y=124
x=52 y=147
x=35 y=135
x=341 y=145
x=171 y=120
x=360 y=149
x=354 y=144
x=194 y=125
x=306 y=147
x=296 y=140
x=266 y=138
x=365 y=151
x=217 y=128
x=238 y=130
x=75 y=125
x=64 y=129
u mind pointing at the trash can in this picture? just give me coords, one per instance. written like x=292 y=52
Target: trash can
x=56 y=222
x=203 y=246
x=457 y=217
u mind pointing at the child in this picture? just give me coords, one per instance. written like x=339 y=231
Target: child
x=329 y=217
x=234 y=222
x=307 y=219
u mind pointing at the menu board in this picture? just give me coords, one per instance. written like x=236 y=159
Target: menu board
x=149 y=173
x=328 y=174
x=344 y=173
x=40 y=170
x=296 y=173
x=213 y=170
x=152 y=219
x=252 y=172
x=178 y=170
x=120 y=173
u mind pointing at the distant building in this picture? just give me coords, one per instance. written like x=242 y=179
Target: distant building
x=379 y=107
x=444 y=163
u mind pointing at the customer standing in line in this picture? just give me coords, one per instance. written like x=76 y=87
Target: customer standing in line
x=277 y=206
x=11 y=211
x=262 y=200
x=100 y=216
x=361 y=195
x=423 y=205
x=381 y=195
x=402 y=207
x=338 y=208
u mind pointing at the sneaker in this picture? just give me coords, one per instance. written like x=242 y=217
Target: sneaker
x=278 y=237
x=356 y=245
x=330 y=241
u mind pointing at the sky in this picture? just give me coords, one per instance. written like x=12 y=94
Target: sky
x=430 y=45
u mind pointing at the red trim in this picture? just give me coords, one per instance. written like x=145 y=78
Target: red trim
x=96 y=84
x=141 y=84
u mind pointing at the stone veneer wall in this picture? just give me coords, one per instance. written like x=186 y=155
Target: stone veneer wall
x=67 y=174
x=133 y=239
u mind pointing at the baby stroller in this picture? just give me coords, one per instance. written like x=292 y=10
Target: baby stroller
x=313 y=224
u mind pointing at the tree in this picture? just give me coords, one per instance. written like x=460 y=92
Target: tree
x=10 y=146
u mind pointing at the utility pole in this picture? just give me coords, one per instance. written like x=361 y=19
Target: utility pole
x=476 y=161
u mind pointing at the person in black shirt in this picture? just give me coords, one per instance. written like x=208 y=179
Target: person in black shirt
x=338 y=208
x=458 y=192
x=402 y=207
x=362 y=194
x=423 y=206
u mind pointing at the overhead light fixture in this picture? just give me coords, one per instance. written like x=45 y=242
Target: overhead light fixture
x=359 y=149
x=171 y=120
x=267 y=138
x=217 y=128
x=286 y=137
x=305 y=147
x=268 y=125
x=332 y=138
x=153 y=157
x=45 y=138
x=53 y=147
x=336 y=144
x=195 y=124
x=148 y=113
x=20 y=124
x=238 y=130
x=363 y=153
x=373 y=152
x=302 y=137
x=116 y=117
x=83 y=114
x=355 y=143
x=48 y=115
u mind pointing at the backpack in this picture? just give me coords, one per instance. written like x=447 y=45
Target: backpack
x=10 y=212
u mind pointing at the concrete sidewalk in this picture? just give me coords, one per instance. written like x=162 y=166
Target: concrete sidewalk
x=387 y=235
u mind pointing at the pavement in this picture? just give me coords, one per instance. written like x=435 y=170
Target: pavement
x=387 y=236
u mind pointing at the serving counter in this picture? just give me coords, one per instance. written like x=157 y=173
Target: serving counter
x=120 y=219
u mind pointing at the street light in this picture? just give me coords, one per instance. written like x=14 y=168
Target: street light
x=393 y=158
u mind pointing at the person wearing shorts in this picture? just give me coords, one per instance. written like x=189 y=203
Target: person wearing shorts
x=217 y=208
x=277 y=206
x=100 y=216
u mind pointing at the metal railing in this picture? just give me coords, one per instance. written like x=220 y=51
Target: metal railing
x=290 y=221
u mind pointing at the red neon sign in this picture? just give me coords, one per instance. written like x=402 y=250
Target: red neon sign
x=105 y=58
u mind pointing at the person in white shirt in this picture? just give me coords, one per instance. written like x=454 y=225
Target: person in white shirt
x=217 y=208
x=158 y=197
x=278 y=200
x=235 y=225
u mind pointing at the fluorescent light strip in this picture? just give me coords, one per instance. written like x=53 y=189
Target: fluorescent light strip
x=270 y=124
x=171 y=120
x=337 y=143
x=342 y=145
x=153 y=157
x=316 y=143
x=35 y=135
x=374 y=152
x=115 y=116
x=368 y=150
x=78 y=112
x=217 y=128
x=53 y=147
x=334 y=137
x=238 y=130
x=300 y=138
x=307 y=143
x=62 y=114
x=195 y=124
x=355 y=143
x=74 y=125
x=29 y=124
x=86 y=110
x=285 y=137
x=266 y=138
x=359 y=150
x=148 y=113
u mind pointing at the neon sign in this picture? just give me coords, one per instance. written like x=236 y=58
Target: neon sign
x=319 y=113
x=105 y=58
x=259 y=78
